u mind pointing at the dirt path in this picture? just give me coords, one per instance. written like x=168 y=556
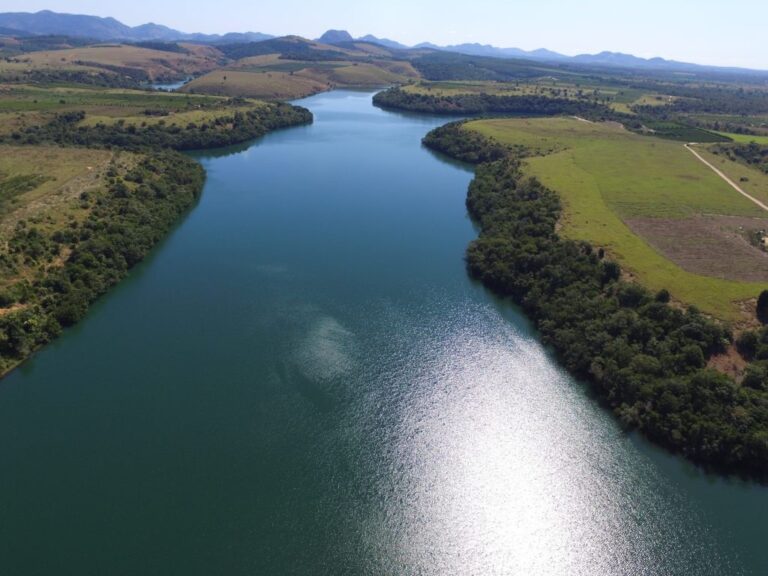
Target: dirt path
x=724 y=177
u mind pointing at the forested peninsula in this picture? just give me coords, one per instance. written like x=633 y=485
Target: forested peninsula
x=461 y=104
x=56 y=264
x=644 y=357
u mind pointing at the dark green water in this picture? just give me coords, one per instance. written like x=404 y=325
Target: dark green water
x=302 y=380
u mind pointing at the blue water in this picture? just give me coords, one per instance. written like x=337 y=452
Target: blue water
x=302 y=379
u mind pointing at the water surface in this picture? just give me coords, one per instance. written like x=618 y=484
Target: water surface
x=303 y=380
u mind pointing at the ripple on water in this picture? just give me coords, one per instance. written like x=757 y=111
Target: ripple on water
x=497 y=464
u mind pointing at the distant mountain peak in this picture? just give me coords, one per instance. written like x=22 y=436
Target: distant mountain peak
x=336 y=37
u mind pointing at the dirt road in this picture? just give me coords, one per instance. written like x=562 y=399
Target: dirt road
x=724 y=177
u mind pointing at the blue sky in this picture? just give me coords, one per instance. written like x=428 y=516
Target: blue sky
x=704 y=31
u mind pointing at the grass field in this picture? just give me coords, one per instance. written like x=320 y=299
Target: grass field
x=745 y=138
x=749 y=179
x=63 y=173
x=607 y=176
x=22 y=106
x=265 y=85
x=52 y=180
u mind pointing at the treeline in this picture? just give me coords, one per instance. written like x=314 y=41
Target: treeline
x=676 y=130
x=451 y=66
x=162 y=46
x=286 y=48
x=465 y=145
x=460 y=104
x=533 y=105
x=223 y=130
x=752 y=154
x=645 y=358
x=721 y=99
x=137 y=208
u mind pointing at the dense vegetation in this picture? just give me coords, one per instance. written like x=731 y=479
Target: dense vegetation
x=224 y=130
x=451 y=66
x=289 y=49
x=489 y=103
x=681 y=132
x=715 y=98
x=644 y=357
x=752 y=154
x=162 y=46
x=125 y=221
x=466 y=146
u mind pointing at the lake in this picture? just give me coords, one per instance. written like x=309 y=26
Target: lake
x=302 y=379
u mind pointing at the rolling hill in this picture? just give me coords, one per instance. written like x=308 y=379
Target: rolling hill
x=293 y=67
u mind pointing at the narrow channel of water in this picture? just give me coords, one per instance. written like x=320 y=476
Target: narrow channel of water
x=303 y=380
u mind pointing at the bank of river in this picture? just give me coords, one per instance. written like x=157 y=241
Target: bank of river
x=303 y=380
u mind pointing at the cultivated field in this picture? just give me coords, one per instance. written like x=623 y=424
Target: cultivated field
x=643 y=200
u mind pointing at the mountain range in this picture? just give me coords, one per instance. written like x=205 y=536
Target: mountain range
x=47 y=22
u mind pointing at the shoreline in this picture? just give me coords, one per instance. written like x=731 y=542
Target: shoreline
x=515 y=256
x=57 y=312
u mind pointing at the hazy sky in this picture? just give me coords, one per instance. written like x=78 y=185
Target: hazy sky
x=729 y=33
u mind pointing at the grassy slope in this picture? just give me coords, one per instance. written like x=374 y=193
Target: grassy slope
x=267 y=85
x=604 y=174
x=279 y=82
x=64 y=173
x=155 y=62
x=757 y=180
x=300 y=68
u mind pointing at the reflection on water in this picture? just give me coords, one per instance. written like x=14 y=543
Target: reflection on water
x=499 y=465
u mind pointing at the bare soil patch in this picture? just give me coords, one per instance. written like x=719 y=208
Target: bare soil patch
x=715 y=246
x=730 y=363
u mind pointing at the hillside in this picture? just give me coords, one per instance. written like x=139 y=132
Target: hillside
x=47 y=22
x=293 y=67
x=129 y=62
